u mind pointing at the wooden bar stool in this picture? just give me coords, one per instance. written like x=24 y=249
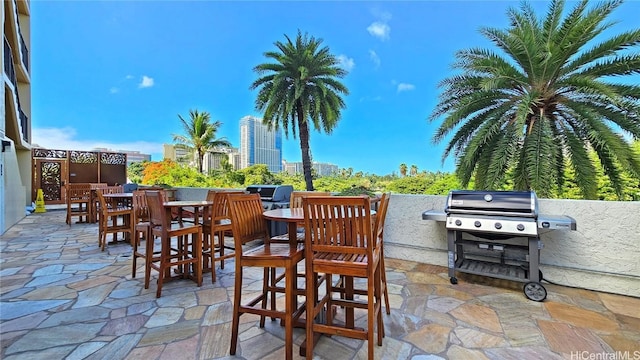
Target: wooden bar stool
x=184 y=254
x=249 y=225
x=341 y=240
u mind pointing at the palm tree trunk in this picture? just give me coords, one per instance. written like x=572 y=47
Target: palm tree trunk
x=303 y=128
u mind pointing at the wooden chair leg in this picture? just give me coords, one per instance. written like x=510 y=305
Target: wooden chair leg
x=237 y=299
x=221 y=244
x=148 y=259
x=265 y=289
x=383 y=277
x=291 y=278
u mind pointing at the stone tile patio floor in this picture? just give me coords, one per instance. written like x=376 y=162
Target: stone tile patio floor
x=62 y=298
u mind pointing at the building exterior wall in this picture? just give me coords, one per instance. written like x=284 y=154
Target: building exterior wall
x=259 y=145
x=15 y=111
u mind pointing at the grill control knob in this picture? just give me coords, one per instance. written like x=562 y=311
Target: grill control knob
x=477 y=224
x=520 y=227
x=498 y=226
x=458 y=222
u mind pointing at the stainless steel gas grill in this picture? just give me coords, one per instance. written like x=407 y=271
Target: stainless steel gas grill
x=273 y=196
x=495 y=233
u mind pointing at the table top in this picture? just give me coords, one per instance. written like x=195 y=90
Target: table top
x=179 y=203
x=289 y=215
x=286 y=214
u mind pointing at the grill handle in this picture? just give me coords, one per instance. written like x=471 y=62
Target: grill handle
x=490 y=212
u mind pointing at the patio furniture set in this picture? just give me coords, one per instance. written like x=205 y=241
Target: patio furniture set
x=334 y=239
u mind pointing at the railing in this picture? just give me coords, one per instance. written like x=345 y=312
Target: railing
x=8 y=63
x=10 y=70
x=24 y=124
x=24 y=51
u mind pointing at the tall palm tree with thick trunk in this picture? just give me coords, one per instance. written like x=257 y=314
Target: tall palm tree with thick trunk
x=200 y=135
x=550 y=95
x=300 y=89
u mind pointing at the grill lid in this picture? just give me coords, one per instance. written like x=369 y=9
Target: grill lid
x=500 y=203
x=272 y=193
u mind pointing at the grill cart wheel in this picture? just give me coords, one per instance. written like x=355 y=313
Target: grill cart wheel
x=535 y=291
x=453 y=280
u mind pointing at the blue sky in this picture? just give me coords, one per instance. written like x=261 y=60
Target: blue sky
x=116 y=74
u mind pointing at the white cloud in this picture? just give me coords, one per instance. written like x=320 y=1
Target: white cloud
x=114 y=90
x=405 y=87
x=65 y=139
x=128 y=77
x=146 y=82
x=380 y=30
x=374 y=57
x=346 y=63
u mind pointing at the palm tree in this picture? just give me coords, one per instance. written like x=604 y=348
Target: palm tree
x=544 y=102
x=300 y=87
x=403 y=169
x=200 y=135
x=413 y=171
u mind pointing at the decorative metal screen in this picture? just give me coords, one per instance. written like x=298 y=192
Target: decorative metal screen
x=49 y=154
x=73 y=166
x=83 y=157
x=51 y=180
x=113 y=159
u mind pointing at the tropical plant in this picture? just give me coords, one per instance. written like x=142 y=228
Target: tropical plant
x=200 y=135
x=135 y=171
x=544 y=102
x=300 y=88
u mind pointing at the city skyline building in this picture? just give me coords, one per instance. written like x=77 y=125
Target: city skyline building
x=321 y=169
x=177 y=154
x=213 y=159
x=259 y=145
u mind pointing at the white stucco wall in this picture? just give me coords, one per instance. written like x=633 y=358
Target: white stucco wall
x=603 y=254
x=14 y=198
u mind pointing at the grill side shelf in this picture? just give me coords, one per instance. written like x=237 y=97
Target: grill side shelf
x=434 y=215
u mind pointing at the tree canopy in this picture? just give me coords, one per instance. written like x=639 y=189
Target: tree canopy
x=300 y=88
x=542 y=100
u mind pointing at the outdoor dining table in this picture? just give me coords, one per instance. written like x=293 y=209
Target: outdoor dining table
x=198 y=208
x=294 y=217
x=197 y=205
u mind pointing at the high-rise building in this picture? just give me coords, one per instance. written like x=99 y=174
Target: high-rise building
x=178 y=154
x=213 y=159
x=321 y=169
x=259 y=145
x=15 y=126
